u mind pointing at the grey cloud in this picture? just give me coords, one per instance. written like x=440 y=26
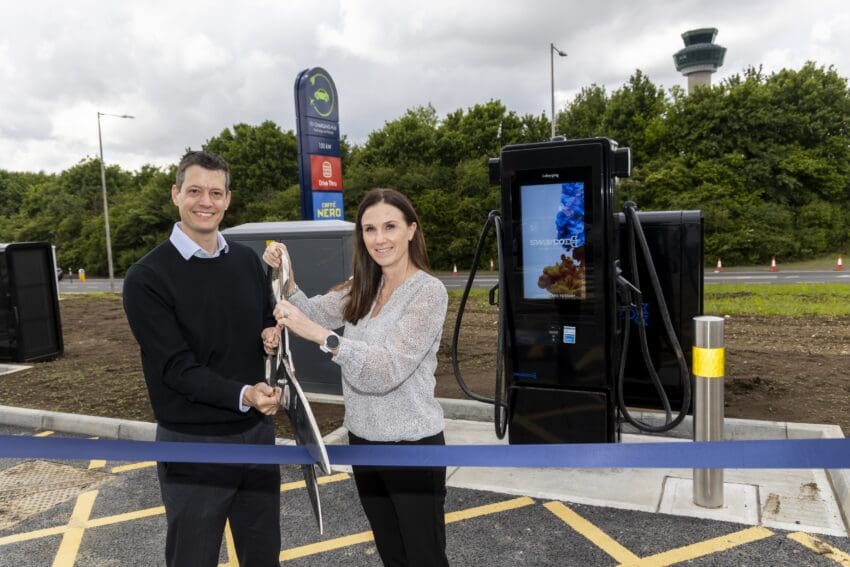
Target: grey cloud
x=189 y=69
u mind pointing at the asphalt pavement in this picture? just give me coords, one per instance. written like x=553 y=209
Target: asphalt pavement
x=98 y=513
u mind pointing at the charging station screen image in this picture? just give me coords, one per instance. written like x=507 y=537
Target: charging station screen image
x=553 y=238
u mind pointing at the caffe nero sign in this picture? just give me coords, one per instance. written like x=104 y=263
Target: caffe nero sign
x=317 y=123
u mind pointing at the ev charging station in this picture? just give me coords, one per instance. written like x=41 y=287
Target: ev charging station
x=578 y=337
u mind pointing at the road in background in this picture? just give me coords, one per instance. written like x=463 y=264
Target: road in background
x=489 y=279
x=823 y=276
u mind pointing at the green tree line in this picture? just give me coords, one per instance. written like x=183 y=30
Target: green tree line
x=765 y=156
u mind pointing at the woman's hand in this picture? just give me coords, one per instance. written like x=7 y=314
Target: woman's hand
x=292 y=318
x=273 y=255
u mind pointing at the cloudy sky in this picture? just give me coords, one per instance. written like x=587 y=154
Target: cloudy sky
x=188 y=69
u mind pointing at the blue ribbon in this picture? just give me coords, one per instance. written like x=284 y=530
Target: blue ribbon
x=782 y=454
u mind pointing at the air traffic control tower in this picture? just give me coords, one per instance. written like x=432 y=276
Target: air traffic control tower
x=700 y=57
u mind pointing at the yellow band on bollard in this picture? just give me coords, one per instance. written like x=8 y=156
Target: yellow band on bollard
x=709 y=362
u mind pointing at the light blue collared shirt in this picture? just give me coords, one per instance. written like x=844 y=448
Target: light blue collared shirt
x=188 y=248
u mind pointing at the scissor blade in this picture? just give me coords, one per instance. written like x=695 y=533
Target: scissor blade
x=270 y=370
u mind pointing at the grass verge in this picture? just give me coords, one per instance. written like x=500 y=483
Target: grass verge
x=787 y=300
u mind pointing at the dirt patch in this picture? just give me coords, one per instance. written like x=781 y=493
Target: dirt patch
x=777 y=368
x=781 y=369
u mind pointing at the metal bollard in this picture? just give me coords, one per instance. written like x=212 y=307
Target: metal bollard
x=709 y=368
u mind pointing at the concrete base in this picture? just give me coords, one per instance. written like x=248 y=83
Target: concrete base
x=740 y=502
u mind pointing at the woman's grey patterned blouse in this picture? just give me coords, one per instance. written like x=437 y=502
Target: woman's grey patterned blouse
x=388 y=361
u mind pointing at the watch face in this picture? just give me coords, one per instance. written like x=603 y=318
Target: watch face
x=332 y=341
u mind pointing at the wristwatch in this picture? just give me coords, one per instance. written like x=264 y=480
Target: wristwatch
x=331 y=343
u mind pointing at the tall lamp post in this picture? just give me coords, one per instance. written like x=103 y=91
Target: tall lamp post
x=552 y=51
x=105 y=204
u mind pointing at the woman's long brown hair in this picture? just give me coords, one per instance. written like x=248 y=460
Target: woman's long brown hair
x=363 y=286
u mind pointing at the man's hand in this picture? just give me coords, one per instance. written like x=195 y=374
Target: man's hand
x=262 y=397
x=271 y=340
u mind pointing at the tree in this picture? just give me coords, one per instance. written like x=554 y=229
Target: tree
x=142 y=218
x=67 y=211
x=406 y=140
x=634 y=114
x=13 y=186
x=533 y=129
x=584 y=117
x=263 y=162
x=767 y=158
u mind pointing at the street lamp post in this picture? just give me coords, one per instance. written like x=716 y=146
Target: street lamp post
x=105 y=204
x=552 y=51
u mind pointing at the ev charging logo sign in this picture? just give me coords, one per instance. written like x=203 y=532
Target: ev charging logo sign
x=569 y=335
x=321 y=95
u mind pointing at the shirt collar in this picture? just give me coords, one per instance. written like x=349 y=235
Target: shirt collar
x=188 y=247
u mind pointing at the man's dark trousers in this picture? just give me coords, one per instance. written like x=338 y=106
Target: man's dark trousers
x=200 y=497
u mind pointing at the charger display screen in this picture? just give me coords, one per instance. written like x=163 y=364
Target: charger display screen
x=553 y=233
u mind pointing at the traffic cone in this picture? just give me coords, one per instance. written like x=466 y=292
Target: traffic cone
x=773 y=267
x=492 y=267
x=840 y=265
x=454 y=269
x=719 y=267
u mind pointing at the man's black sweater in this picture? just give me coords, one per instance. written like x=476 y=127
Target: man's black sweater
x=198 y=324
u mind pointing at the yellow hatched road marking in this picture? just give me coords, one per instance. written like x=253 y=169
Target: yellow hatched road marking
x=43 y=434
x=136 y=515
x=127 y=517
x=321 y=480
x=821 y=547
x=66 y=556
x=322 y=546
x=363 y=537
x=333 y=478
x=46 y=532
x=232 y=559
x=134 y=466
x=703 y=548
x=79 y=522
x=488 y=509
x=599 y=538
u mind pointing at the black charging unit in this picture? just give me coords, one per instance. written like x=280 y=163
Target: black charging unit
x=557 y=202
x=567 y=304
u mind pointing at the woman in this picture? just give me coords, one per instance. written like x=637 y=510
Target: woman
x=393 y=312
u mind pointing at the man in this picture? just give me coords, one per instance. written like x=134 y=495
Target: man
x=198 y=307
